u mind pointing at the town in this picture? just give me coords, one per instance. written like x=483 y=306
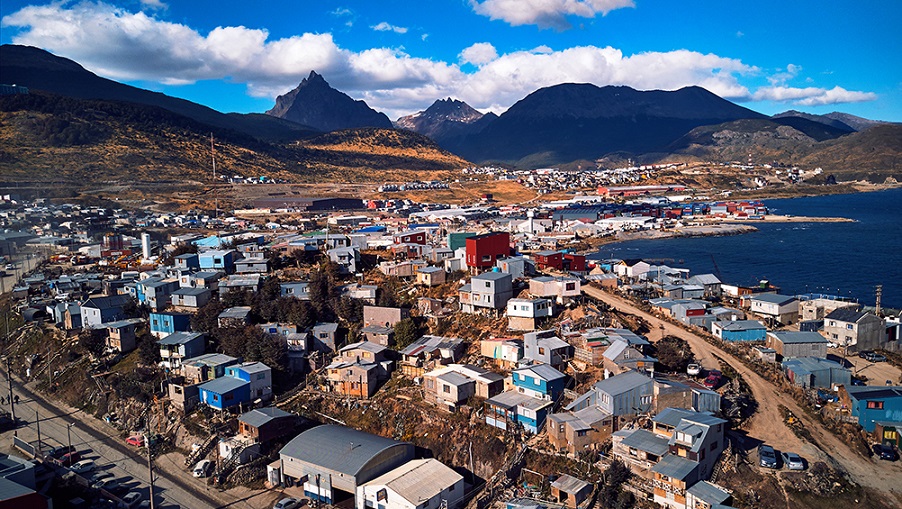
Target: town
x=394 y=354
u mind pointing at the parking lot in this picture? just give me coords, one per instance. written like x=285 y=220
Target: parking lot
x=877 y=373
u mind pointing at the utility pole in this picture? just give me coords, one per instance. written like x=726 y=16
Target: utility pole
x=37 y=420
x=150 y=470
x=9 y=379
x=69 y=435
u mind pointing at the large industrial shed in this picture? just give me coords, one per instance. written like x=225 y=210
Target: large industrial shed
x=328 y=458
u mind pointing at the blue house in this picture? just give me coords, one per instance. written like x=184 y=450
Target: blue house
x=873 y=404
x=187 y=261
x=164 y=324
x=740 y=330
x=225 y=392
x=512 y=409
x=223 y=260
x=539 y=381
x=257 y=374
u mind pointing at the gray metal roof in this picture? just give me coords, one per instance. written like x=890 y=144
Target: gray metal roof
x=673 y=416
x=236 y=312
x=741 y=325
x=709 y=493
x=191 y=291
x=491 y=276
x=419 y=480
x=569 y=484
x=794 y=338
x=675 y=467
x=338 y=448
x=773 y=298
x=222 y=384
x=647 y=441
x=453 y=378
x=260 y=416
x=622 y=383
x=848 y=314
x=543 y=371
x=179 y=338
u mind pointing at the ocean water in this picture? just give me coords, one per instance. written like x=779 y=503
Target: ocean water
x=845 y=259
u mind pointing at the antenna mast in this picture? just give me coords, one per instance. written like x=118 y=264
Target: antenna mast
x=879 y=295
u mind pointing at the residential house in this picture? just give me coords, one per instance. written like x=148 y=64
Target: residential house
x=257 y=374
x=207 y=279
x=178 y=346
x=155 y=293
x=483 y=251
x=189 y=261
x=797 y=344
x=513 y=265
x=266 y=424
x=539 y=381
x=429 y=352
x=403 y=269
x=430 y=276
x=545 y=347
x=740 y=330
x=623 y=396
x=814 y=372
x=237 y=316
x=576 y=431
x=121 y=334
x=546 y=260
x=191 y=298
x=888 y=432
x=706 y=495
x=324 y=336
x=562 y=289
x=489 y=291
x=379 y=335
x=252 y=265
x=620 y=357
x=206 y=367
x=815 y=309
x=570 y=491
x=873 y=404
x=417 y=484
x=384 y=316
x=630 y=270
x=410 y=237
x=97 y=311
x=505 y=353
x=163 y=324
x=224 y=392
x=366 y=293
x=855 y=330
x=709 y=282
x=359 y=370
x=223 y=260
x=685 y=393
x=348 y=258
x=525 y=314
x=240 y=283
x=297 y=289
x=512 y=409
x=775 y=308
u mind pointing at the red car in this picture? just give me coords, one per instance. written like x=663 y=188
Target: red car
x=713 y=379
x=69 y=458
x=136 y=440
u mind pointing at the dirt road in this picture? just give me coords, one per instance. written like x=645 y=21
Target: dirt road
x=767 y=424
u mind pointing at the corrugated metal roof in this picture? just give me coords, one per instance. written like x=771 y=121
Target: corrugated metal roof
x=418 y=480
x=569 y=484
x=675 y=467
x=223 y=385
x=709 y=493
x=622 y=383
x=795 y=338
x=647 y=441
x=179 y=338
x=338 y=448
x=543 y=371
x=773 y=298
x=260 y=416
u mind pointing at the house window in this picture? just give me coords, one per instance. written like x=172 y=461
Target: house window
x=488 y=284
x=849 y=326
x=835 y=336
x=216 y=397
x=486 y=258
x=571 y=287
x=541 y=350
x=875 y=405
x=582 y=433
x=714 y=445
x=261 y=376
x=446 y=389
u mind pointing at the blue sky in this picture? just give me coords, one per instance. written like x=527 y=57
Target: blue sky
x=400 y=56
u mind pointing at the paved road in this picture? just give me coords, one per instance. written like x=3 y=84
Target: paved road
x=767 y=424
x=106 y=449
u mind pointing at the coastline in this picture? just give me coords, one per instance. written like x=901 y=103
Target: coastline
x=713 y=230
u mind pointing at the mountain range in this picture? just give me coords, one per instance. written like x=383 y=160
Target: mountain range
x=551 y=126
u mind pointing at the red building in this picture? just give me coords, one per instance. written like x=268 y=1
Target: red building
x=549 y=260
x=410 y=237
x=574 y=262
x=484 y=250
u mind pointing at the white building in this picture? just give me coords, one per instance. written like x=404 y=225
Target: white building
x=417 y=484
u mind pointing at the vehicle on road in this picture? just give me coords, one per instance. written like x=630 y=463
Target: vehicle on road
x=70 y=458
x=865 y=353
x=83 y=467
x=136 y=440
x=58 y=451
x=693 y=369
x=203 y=468
x=767 y=457
x=793 y=461
x=886 y=452
x=108 y=484
x=287 y=503
x=131 y=500
x=876 y=357
x=713 y=379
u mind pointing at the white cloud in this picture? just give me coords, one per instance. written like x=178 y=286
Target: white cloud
x=424 y=37
x=811 y=96
x=478 y=54
x=342 y=11
x=154 y=4
x=545 y=13
x=739 y=33
x=123 y=45
x=385 y=27
x=782 y=77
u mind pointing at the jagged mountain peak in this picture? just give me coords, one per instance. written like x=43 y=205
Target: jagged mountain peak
x=443 y=115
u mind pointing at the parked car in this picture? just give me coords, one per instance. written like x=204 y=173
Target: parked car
x=70 y=457
x=57 y=452
x=865 y=353
x=83 y=466
x=203 y=468
x=108 y=484
x=693 y=369
x=99 y=476
x=713 y=379
x=131 y=500
x=793 y=461
x=287 y=503
x=886 y=452
x=876 y=357
x=767 y=457
x=136 y=440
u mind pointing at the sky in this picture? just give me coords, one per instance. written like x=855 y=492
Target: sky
x=400 y=56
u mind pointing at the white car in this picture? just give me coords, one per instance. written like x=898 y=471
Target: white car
x=203 y=468
x=693 y=369
x=83 y=466
x=131 y=499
